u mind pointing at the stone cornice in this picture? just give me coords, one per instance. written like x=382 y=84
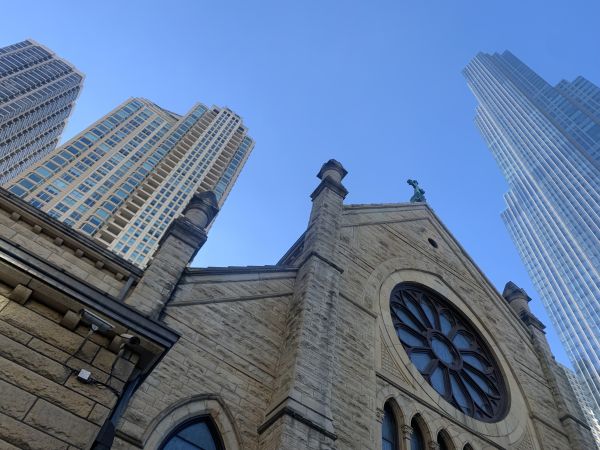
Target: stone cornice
x=328 y=183
x=183 y=229
x=22 y=210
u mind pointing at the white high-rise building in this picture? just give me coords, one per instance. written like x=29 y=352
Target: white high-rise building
x=126 y=177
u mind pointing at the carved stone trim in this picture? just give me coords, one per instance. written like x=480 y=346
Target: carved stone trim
x=379 y=415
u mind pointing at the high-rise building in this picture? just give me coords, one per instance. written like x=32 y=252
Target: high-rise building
x=583 y=398
x=126 y=177
x=37 y=93
x=546 y=140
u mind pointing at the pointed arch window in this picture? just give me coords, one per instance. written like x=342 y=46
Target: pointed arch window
x=389 y=429
x=197 y=434
x=442 y=442
x=417 y=440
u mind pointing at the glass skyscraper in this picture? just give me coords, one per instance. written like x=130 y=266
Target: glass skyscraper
x=37 y=93
x=125 y=178
x=583 y=399
x=546 y=140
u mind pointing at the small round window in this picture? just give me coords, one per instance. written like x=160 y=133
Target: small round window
x=449 y=353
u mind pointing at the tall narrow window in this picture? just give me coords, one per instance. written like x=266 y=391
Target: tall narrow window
x=417 y=441
x=389 y=433
x=198 y=434
x=443 y=442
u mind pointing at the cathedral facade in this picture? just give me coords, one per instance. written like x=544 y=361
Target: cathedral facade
x=374 y=331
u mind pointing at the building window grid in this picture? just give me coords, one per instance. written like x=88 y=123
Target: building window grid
x=171 y=199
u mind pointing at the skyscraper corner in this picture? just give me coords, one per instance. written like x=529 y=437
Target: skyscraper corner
x=37 y=94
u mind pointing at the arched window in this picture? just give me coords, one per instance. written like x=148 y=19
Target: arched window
x=389 y=429
x=444 y=441
x=417 y=441
x=197 y=434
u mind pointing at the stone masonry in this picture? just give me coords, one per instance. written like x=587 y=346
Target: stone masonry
x=300 y=355
x=303 y=355
x=54 y=284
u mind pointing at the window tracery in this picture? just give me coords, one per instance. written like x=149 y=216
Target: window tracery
x=448 y=351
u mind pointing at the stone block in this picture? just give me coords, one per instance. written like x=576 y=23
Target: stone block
x=104 y=360
x=29 y=358
x=48 y=350
x=14 y=333
x=6 y=446
x=99 y=414
x=20 y=294
x=40 y=327
x=96 y=393
x=44 y=388
x=15 y=402
x=25 y=437
x=61 y=424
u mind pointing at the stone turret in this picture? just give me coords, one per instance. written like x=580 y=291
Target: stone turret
x=517 y=298
x=177 y=249
x=300 y=407
x=570 y=414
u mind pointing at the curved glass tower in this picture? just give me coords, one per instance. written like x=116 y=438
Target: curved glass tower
x=546 y=140
x=37 y=94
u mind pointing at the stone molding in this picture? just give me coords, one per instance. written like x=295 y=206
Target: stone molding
x=328 y=183
x=293 y=413
x=210 y=405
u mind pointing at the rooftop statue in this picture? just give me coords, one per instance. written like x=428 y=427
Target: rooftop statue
x=419 y=194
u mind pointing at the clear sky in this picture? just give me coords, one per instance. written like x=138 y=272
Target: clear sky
x=374 y=84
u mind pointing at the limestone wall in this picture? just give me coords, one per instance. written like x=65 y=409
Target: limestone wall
x=231 y=328
x=43 y=404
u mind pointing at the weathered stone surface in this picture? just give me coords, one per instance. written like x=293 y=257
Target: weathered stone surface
x=99 y=414
x=29 y=358
x=96 y=393
x=14 y=402
x=236 y=343
x=25 y=437
x=6 y=446
x=42 y=387
x=61 y=424
x=14 y=333
x=44 y=329
x=48 y=350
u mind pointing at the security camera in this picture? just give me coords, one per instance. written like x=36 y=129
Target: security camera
x=130 y=339
x=97 y=323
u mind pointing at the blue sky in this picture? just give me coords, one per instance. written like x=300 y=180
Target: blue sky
x=374 y=84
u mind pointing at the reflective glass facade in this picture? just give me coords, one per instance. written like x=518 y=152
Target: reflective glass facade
x=125 y=178
x=546 y=140
x=37 y=93
x=583 y=399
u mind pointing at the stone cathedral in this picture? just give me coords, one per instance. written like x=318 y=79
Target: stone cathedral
x=375 y=331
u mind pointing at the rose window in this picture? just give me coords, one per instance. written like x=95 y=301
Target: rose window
x=449 y=353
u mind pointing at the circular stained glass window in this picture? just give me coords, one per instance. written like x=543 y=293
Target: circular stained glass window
x=448 y=352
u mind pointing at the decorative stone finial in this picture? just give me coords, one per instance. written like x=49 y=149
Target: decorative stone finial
x=202 y=208
x=513 y=292
x=518 y=300
x=419 y=194
x=331 y=175
x=332 y=169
